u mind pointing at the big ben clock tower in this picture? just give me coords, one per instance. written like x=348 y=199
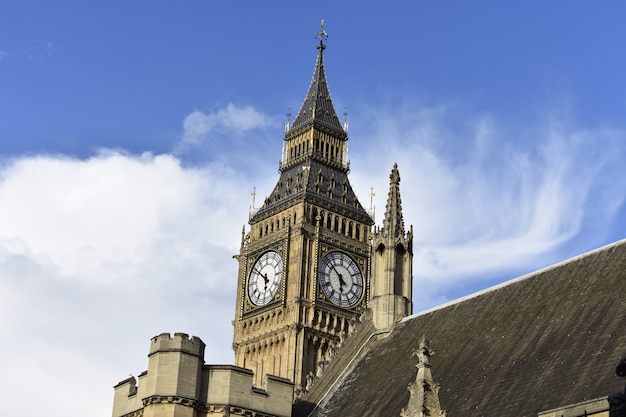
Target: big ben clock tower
x=304 y=265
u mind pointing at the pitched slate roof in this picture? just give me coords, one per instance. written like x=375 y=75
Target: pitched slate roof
x=318 y=183
x=542 y=341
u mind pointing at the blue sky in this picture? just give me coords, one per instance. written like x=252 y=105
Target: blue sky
x=132 y=134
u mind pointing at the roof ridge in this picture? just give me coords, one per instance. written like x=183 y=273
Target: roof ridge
x=515 y=280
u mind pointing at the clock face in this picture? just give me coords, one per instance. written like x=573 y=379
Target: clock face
x=265 y=278
x=341 y=279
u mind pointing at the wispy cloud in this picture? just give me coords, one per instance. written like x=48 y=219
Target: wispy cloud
x=142 y=244
x=485 y=198
x=36 y=50
x=201 y=127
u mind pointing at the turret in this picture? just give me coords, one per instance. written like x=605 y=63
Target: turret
x=392 y=262
x=179 y=384
x=175 y=365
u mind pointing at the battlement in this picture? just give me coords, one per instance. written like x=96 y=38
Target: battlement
x=181 y=342
x=125 y=398
x=178 y=383
x=232 y=385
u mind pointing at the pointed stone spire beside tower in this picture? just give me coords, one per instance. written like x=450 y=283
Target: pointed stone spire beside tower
x=393 y=222
x=392 y=262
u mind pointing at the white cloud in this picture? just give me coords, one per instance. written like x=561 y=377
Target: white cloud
x=485 y=201
x=110 y=209
x=199 y=127
x=100 y=254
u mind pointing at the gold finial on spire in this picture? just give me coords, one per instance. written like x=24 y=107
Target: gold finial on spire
x=372 y=209
x=288 y=124
x=253 y=194
x=322 y=35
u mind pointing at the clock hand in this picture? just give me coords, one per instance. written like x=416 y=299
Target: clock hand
x=333 y=267
x=266 y=279
x=264 y=276
x=341 y=281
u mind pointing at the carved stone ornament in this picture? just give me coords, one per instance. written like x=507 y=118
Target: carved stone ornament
x=424 y=393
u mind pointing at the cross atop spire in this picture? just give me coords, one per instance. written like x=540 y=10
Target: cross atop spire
x=322 y=36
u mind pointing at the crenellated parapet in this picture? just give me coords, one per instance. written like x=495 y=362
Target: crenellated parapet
x=180 y=342
x=179 y=384
x=233 y=387
x=126 y=402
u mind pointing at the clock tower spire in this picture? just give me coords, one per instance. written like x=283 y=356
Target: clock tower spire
x=304 y=264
